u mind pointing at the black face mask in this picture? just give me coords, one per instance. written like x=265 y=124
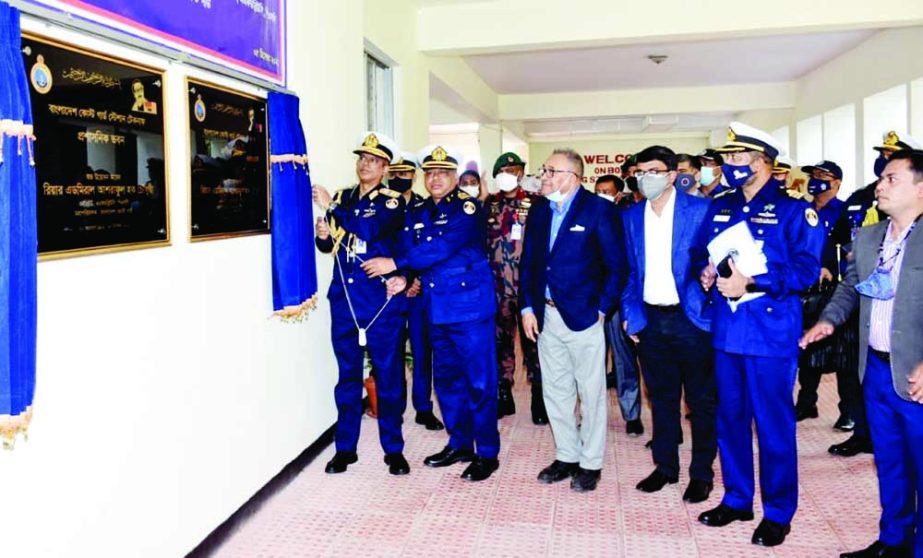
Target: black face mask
x=400 y=184
x=632 y=183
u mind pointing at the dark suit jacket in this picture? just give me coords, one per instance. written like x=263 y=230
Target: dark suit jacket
x=907 y=316
x=585 y=267
x=688 y=215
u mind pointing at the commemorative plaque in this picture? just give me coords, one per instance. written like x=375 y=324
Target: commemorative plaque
x=99 y=150
x=229 y=166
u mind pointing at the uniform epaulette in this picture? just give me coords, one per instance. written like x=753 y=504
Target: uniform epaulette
x=389 y=192
x=462 y=195
x=724 y=193
x=794 y=194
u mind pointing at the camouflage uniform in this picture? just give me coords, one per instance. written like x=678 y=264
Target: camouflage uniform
x=502 y=215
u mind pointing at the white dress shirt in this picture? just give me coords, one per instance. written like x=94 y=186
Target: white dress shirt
x=659 y=285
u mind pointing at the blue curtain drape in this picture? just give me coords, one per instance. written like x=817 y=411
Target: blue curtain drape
x=18 y=240
x=294 y=270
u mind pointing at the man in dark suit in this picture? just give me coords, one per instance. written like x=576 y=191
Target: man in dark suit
x=663 y=308
x=885 y=280
x=570 y=277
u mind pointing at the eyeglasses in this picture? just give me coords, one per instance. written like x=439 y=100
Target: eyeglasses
x=368 y=160
x=655 y=172
x=549 y=172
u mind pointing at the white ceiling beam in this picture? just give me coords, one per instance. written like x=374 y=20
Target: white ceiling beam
x=480 y=27
x=641 y=102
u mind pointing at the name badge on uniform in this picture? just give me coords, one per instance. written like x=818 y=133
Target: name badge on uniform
x=722 y=218
x=360 y=246
x=516 y=232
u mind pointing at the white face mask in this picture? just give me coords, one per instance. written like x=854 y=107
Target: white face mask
x=607 y=197
x=472 y=191
x=555 y=196
x=506 y=182
x=652 y=185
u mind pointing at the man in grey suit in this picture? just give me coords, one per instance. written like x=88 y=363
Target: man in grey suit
x=885 y=279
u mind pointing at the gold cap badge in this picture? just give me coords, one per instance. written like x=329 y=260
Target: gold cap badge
x=439 y=154
x=371 y=141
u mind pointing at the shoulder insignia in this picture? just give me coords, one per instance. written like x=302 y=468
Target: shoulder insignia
x=392 y=203
x=724 y=193
x=871 y=216
x=469 y=207
x=389 y=192
x=794 y=194
x=373 y=195
x=463 y=195
x=811 y=216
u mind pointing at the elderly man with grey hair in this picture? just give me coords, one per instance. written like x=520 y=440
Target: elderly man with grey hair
x=571 y=273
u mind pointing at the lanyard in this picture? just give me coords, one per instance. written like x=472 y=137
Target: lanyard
x=893 y=258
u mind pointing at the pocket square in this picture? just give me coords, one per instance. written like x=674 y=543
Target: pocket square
x=578 y=228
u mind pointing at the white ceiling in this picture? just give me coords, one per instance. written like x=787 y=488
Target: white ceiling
x=662 y=123
x=766 y=59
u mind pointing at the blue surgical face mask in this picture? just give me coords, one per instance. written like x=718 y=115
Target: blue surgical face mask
x=880 y=164
x=877 y=286
x=818 y=186
x=707 y=176
x=736 y=175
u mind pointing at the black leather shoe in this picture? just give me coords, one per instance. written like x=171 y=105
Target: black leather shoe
x=698 y=491
x=539 y=414
x=878 y=550
x=341 y=460
x=722 y=515
x=480 y=469
x=429 y=420
x=655 y=481
x=844 y=424
x=853 y=446
x=397 y=465
x=770 y=533
x=505 y=404
x=585 y=480
x=634 y=428
x=449 y=456
x=558 y=471
x=805 y=412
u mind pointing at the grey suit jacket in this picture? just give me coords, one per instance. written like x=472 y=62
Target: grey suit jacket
x=907 y=317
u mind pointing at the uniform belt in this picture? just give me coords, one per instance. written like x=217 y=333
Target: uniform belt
x=886 y=357
x=664 y=308
x=549 y=302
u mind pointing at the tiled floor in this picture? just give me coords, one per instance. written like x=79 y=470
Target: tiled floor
x=432 y=512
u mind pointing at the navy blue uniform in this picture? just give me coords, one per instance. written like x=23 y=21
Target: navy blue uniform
x=445 y=243
x=756 y=347
x=363 y=228
x=420 y=345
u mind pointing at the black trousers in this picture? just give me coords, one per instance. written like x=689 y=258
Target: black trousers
x=677 y=356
